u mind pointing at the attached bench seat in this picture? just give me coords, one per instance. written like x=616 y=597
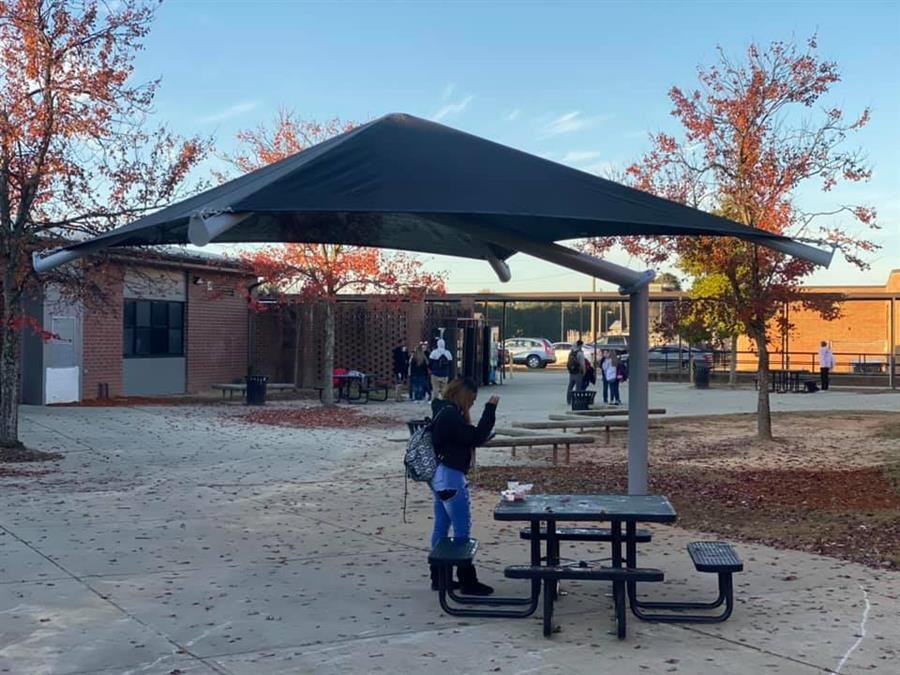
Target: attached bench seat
x=454 y=551
x=619 y=576
x=716 y=557
x=601 y=534
x=595 y=534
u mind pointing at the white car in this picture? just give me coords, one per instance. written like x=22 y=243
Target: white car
x=561 y=350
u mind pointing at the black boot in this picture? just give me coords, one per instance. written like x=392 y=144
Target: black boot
x=434 y=579
x=468 y=581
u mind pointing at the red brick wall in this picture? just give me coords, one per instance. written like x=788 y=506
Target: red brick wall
x=102 y=337
x=216 y=337
x=863 y=328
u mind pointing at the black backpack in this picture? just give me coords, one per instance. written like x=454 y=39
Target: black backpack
x=572 y=364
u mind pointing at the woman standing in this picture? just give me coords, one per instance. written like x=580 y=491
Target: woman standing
x=455 y=439
x=418 y=375
x=611 y=377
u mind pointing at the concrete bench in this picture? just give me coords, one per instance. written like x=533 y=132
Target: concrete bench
x=534 y=440
x=604 y=412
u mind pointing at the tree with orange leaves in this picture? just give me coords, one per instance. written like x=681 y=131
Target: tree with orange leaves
x=75 y=157
x=320 y=272
x=748 y=144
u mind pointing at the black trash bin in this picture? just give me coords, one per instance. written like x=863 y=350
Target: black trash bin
x=583 y=400
x=701 y=373
x=256 y=389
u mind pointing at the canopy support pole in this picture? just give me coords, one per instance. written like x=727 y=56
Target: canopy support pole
x=631 y=283
x=638 y=389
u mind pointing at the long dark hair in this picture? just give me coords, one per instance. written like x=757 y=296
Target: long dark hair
x=462 y=392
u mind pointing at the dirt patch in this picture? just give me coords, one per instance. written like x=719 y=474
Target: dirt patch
x=829 y=484
x=318 y=417
x=19 y=453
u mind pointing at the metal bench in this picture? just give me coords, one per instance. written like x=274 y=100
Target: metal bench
x=716 y=557
x=454 y=551
x=242 y=388
x=550 y=575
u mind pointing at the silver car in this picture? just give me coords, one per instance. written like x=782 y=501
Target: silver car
x=532 y=352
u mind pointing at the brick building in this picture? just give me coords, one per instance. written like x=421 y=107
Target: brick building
x=178 y=323
x=862 y=338
x=161 y=324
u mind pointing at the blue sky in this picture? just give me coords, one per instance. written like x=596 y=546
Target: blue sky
x=577 y=82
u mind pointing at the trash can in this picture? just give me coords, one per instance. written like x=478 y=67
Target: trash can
x=701 y=373
x=256 y=389
x=582 y=400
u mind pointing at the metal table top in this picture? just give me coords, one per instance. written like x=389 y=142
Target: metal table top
x=645 y=508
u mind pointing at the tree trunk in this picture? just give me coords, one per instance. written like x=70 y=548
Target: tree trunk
x=10 y=364
x=328 y=356
x=732 y=370
x=763 y=412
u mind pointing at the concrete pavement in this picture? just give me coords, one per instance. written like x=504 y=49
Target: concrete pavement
x=181 y=540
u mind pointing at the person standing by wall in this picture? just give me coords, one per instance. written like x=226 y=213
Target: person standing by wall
x=826 y=363
x=575 y=366
x=441 y=359
x=418 y=375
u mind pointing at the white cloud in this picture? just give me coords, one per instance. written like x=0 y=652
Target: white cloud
x=514 y=115
x=452 y=109
x=449 y=88
x=570 y=122
x=230 y=111
x=580 y=156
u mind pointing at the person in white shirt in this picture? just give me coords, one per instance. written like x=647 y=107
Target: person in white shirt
x=826 y=363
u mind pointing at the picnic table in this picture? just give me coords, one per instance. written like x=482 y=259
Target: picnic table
x=787 y=380
x=617 y=510
x=543 y=513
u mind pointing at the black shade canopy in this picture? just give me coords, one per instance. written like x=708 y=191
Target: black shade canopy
x=406 y=183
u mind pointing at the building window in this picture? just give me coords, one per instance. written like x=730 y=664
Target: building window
x=153 y=328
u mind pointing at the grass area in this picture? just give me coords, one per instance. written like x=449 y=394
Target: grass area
x=832 y=489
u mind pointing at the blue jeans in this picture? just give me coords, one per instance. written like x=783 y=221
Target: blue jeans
x=606 y=389
x=614 y=391
x=455 y=510
x=417 y=387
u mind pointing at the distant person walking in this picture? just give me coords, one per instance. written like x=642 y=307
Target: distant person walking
x=576 y=367
x=826 y=363
x=418 y=375
x=401 y=368
x=611 y=377
x=441 y=359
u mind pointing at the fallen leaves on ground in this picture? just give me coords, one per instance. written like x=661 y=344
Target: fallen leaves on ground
x=782 y=494
x=318 y=417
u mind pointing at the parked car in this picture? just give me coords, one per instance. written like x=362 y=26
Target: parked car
x=619 y=343
x=561 y=351
x=675 y=357
x=532 y=352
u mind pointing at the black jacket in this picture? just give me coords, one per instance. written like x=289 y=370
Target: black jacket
x=453 y=438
